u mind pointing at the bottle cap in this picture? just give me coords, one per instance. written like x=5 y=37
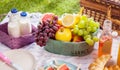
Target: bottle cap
x=114 y=33
x=14 y=10
x=23 y=14
x=107 y=25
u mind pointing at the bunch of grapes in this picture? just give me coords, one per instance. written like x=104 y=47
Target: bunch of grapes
x=46 y=30
x=86 y=28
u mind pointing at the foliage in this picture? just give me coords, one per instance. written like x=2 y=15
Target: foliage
x=56 y=6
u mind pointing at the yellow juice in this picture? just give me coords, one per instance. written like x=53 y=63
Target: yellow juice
x=118 y=59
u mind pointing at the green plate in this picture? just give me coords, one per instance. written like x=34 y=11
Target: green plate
x=60 y=62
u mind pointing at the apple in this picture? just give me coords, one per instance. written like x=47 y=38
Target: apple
x=63 y=34
x=77 y=38
x=47 y=16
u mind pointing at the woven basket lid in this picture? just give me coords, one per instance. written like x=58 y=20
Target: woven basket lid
x=112 y=3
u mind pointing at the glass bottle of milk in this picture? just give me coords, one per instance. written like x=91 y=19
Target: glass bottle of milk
x=14 y=15
x=25 y=26
x=13 y=25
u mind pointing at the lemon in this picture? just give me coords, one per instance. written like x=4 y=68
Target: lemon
x=77 y=18
x=69 y=20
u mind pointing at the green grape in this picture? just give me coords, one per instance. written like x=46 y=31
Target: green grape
x=89 y=29
x=87 y=36
x=75 y=30
x=95 y=38
x=81 y=24
x=91 y=24
x=84 y=17
x=96 y=25
x=90 y=19
x=89 y=41
x=85 y=32
x=75 y=26
x=80 y=32
x=94 y=29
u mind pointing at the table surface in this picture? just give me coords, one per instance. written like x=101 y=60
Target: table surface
x=42 y=56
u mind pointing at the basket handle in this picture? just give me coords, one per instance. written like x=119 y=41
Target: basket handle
x=110 y=18
x=81 y=11
x=109 y=13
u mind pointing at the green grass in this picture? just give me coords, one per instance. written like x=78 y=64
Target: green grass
x=58 y=7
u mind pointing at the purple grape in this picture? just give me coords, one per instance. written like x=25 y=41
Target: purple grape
x=50 y=35
x=46 y=24
x=46 y=27
x=40 y=26
x=55 y=28
x=48 y=20
x=54 y=22
x=39 y=43
x=51 y=30
x=44 y=44
x=41 y=38
x=47 y=30
x=40 y=34
x=55 y=17
x=50 y=25
x=44 y=34
x=46 y=38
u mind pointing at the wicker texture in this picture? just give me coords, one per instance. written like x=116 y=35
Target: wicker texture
x=103 y=9
x=15 y=43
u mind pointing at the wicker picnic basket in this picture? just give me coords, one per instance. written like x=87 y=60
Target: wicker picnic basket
x=103 y=9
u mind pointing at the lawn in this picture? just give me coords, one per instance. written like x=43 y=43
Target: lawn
x=56 y=6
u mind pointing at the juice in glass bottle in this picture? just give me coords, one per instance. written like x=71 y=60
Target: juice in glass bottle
x=105 y=42
x=118 y=59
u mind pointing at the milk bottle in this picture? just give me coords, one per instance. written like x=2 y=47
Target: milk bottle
x=25 y=26
x=13 y=25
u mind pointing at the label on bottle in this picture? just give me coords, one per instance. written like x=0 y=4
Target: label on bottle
x=106 y=49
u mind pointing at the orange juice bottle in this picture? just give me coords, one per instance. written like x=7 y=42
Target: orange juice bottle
x=105 y=42
x=118 y=59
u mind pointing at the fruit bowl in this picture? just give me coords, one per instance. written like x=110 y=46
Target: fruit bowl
x=73 y=38
x=68 y=48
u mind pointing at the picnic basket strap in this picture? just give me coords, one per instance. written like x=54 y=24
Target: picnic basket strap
x=98 y=7
x=115 y=21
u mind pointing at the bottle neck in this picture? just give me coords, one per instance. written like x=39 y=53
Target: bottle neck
x=107 y=32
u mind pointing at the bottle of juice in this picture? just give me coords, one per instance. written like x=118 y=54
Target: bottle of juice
x=105 y=42
x=118 y=59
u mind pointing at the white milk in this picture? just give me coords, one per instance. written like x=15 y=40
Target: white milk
x=25 y=26
x=14 y=15
x=14 y=29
